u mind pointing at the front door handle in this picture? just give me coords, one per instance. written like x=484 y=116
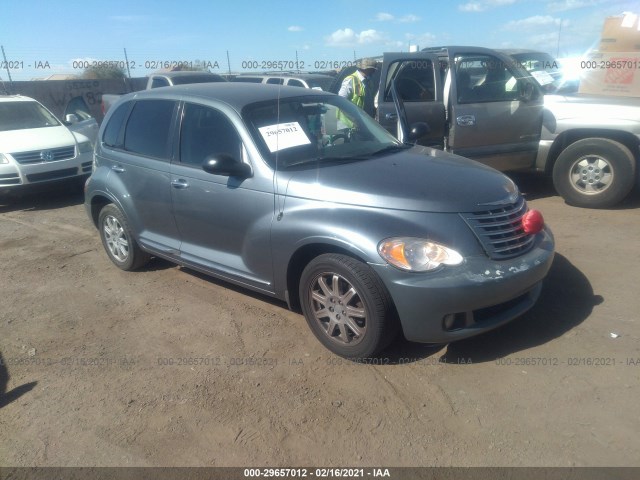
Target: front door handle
x=179 y=183
x=466 y=120
x=117 y=168
x=391 y=116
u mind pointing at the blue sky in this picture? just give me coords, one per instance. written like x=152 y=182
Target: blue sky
x=35 y=32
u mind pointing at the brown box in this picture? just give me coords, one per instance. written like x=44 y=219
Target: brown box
x=611 y=73
x=621 y=34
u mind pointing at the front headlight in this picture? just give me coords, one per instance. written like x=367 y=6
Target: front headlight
x=85 y=147
x=3 y=159
x=417 y=254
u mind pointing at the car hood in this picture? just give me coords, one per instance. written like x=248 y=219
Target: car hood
x=31 y=139
x=420 y=179
x=593 y=108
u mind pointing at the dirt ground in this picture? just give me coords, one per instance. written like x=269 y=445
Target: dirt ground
x=165 y=367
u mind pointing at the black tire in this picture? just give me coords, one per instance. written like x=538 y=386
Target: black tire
x=118 y=240
x=594 y=173
x=361 y=326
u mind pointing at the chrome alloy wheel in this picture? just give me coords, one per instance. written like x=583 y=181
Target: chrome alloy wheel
x=116 y=238
x=338 y=309
x=591 y=174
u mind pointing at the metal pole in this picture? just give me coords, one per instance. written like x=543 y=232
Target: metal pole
x=6 y=64
x=228 y=62
x=127 y=60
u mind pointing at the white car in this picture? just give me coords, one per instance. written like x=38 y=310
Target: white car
x=35 y=147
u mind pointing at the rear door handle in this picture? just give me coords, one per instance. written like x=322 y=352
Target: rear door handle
x=180 y=183
x=117 y=168
x=391 y=116
x=466 y=120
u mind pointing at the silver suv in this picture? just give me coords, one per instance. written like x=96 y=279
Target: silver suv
x=35 y=147
x=316 y=81
x=262 y=187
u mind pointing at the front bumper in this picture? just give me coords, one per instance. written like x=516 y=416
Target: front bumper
x=466 y=300
x=14 y=175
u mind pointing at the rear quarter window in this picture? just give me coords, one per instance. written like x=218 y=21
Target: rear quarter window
x=148 y=128
x=111 y=136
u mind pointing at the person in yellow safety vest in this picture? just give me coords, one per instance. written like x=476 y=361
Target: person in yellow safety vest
x=354 y=88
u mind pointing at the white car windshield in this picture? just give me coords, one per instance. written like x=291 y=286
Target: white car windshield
x=315 y=129
x=24 y=115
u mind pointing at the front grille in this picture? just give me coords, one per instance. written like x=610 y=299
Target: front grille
x=40 y=177
x=500 y=231
x=47 y=155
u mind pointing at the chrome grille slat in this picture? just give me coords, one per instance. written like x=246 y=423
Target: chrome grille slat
x=500 y=230
x=61 y=153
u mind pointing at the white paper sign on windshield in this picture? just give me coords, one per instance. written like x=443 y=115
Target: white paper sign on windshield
x=284 y=135
x=543 y=78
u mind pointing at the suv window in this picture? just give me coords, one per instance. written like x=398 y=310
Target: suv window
x=415 y=80
x=277 y=81
x=483 y=78
x=159 y=82
x=111 y=135
x=205 y=132
x=148 y=128
x=295 y=83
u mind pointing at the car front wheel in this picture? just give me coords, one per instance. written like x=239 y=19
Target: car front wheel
x=346 y=306
x=118 y=240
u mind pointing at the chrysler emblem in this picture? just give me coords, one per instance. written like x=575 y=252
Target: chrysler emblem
x=46 y=155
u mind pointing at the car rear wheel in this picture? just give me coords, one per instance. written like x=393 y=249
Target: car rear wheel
x=346 y=306
x=594 y=173
x=118 y=241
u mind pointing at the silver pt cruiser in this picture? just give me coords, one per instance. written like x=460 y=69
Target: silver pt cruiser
x=301 y=196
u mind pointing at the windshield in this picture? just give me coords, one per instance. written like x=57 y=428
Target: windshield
x=23 y=115
x=315 y=129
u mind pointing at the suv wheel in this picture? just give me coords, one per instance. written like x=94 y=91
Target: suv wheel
x=346 y=306
x=594 y=173
x=118 y=241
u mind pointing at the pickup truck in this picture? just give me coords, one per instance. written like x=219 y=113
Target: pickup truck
x=167 y=79
x=483 y=104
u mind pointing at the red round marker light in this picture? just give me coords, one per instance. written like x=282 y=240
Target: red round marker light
x=532 y=222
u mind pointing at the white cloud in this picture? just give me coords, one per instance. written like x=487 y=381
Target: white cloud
x=422 y=39
x=537 y=21
x=384 y=17
x=482 y=5
x=387 y=17
x=564 y=5
x=410 y=18
x=347 y=37
x=295 y=28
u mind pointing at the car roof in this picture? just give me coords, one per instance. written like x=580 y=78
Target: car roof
x=303 y=76
x=236 y=95
x=15 y=98
x=187 y=73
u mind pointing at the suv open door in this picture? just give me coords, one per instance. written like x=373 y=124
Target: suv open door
x=477 y=102
x=419 y=79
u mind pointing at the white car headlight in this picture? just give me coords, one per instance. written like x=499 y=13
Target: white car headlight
x=417 y=254
x=3 y=159
x=85 y=147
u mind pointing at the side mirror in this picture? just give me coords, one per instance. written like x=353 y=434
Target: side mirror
x=225 y=164
x=417 y=130
x=71 y=118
